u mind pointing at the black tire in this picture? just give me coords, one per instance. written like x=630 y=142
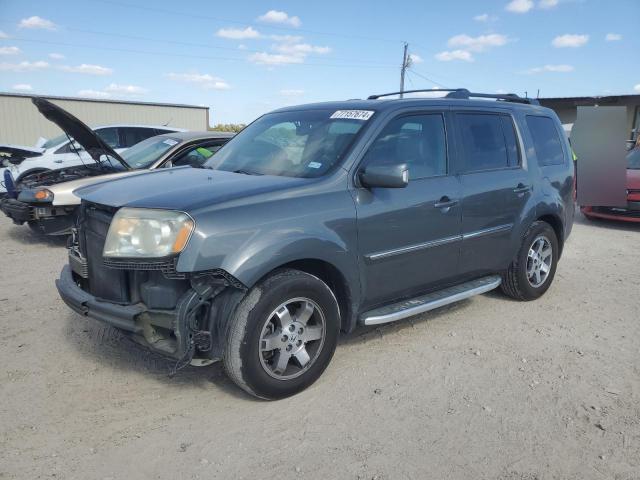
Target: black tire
x=515 y=282
x=243 y=359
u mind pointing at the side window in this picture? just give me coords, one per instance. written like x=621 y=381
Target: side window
x=195 y=156
x=484 y=143
x=132 y=135
x=513 y=151
x=417 y=140
x=546 y=141
x=109 y=136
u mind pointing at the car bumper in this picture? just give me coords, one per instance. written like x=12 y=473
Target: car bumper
x=17 y=211
x=119 y=316
x=629 y=214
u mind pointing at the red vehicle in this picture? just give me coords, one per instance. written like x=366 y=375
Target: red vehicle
x=630 y=213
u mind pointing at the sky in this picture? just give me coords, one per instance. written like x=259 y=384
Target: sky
x=245 y=58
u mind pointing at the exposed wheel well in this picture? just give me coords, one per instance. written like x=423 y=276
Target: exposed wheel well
x=557 y=226
x=334 y=279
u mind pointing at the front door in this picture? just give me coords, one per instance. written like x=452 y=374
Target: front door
x=409 y=238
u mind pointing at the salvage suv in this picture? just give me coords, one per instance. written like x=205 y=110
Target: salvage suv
x=318 y=218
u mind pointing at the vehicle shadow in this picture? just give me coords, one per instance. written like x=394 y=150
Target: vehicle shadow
x=113 y=349
x=24 y=235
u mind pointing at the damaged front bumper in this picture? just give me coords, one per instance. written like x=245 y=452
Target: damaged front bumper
x=187 y=333
x=46 y=218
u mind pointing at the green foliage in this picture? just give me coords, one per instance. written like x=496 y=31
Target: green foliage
x=228 y=127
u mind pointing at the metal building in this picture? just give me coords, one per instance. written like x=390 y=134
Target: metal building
x=22 y=124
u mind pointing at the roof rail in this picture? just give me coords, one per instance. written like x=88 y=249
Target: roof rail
x=463 y=93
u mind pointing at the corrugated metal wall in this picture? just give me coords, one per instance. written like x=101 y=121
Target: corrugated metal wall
x=22 y=124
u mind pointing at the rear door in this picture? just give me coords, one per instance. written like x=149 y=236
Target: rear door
x=495 y=188
x=409 y=238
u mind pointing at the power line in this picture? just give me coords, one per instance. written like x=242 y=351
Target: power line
x=147 y=8
x=410 y=69
x=182 y=55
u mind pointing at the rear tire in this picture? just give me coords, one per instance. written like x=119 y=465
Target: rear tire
x=283 y=335
x=530 y=274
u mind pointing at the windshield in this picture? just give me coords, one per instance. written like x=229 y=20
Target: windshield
x=633 y=159
x=55 y=141
x=147 y=152
x=305 y=143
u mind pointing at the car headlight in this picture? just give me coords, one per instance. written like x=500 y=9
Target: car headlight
x=43 y=195
x=142 y=232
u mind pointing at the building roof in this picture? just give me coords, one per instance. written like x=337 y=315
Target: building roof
x=100 y=100
x=600 y=100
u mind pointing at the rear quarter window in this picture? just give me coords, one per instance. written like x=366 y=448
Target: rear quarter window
x=546 y=141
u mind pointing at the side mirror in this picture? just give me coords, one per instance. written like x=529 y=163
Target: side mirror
x=76 y=147
x=385 y=176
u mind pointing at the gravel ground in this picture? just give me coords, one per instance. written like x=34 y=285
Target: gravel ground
x=487 y=388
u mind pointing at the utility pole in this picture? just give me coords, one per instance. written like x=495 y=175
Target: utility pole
x=406 y=61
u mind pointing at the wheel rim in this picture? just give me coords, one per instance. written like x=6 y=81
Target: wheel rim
x=539 y=261
x=292 y=338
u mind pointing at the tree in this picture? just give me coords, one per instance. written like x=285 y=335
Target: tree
x=228 y=127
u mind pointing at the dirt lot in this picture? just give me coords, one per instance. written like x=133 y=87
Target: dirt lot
x=488 y=388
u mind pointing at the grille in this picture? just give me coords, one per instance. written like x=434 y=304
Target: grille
x=167 y=267
x=104 y=282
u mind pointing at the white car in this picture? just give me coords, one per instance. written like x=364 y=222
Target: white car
x=61 y=152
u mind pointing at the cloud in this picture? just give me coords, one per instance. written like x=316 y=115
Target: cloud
x=546 y=4
x=88 y=69
x=519 y=6
x=23 y=66
x=9 y=50
x=550 y=68
x=56 y=56
x=94 y=94
x=3 y=35
x=300 y=49
x=25 y=87
x=481 y=18
x=415 y=58
x=637 y=88
x=202 y=80
x=613 y=37
x=264 y=58
x=570 y=41
x=449 y=56
x=291 y=92
x=238 y=33
x=286 y=38
x=276 y=16
x=479 y=43
x=37 y=22
x=125 y=89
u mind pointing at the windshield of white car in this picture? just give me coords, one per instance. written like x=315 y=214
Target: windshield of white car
x=149 y=151
x=302 y=143
x=55 y=141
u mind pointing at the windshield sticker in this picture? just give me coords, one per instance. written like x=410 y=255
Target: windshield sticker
x=314 y=165
x=170 y=141
x=363 y=115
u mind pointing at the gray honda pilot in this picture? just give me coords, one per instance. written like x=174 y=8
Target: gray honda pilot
x=318 y=218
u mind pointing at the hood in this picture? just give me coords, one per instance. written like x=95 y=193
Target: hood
x=76 y=129
x=183 y=188
x=17 y=153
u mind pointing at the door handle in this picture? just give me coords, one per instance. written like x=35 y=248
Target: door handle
x=445 y=202
x=57 y=161
x=521 y=188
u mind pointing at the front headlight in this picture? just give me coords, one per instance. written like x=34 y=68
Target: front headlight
x=44 y=195
x=142 y=232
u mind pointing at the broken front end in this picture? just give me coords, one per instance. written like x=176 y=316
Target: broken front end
x=178 y=315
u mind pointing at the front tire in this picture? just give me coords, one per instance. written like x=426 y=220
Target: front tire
x=530 y=274
x=283 y=335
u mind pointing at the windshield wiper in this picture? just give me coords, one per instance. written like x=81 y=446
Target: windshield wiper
x=246 y=172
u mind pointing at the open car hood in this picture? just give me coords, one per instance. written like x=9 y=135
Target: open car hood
x=76 y=129
x=17 y=153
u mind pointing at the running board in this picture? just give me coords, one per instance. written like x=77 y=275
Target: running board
x=424 y=303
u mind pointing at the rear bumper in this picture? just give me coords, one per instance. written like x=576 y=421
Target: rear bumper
x=119 y=316
x=611 y=213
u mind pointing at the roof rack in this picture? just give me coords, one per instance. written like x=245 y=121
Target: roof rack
x=463 y=93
